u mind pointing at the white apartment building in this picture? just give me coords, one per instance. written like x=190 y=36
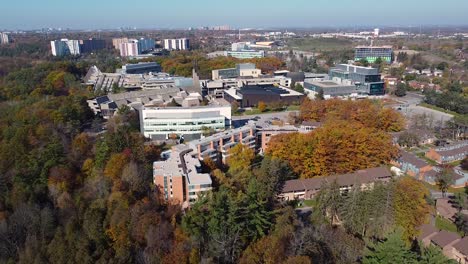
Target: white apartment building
x=4 y=39
x=65 y=47
x=176 y=44
x=128 y=49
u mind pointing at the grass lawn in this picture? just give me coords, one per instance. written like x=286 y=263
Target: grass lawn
x=444 y=224
x=255 y=111
x=319 y=44
x=433 y=107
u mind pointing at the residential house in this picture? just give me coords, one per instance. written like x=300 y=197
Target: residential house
x=445 y=240
x=460 y=251
x=308 y=188
x=449 y=153
x=412 y=165
x=427 y=231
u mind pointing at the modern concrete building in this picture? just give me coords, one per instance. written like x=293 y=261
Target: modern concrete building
x=141 y=67
x=306 y=189
x=331 y=89
x=241 y=70
x=107 y=105
x=177 y=44
x=251 y=95
x=161 y=123
x=371 y=53
x=65 y=47
x=245 y=54
x=179 y=178
x=367 y=79
x=217 y=146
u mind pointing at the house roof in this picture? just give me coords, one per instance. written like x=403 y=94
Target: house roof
x=349 y=179
x=462 y=246
x=412 y=159
x=427 y=230
x=444 y=238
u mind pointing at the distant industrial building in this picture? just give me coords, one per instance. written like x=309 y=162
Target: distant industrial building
x=241 y=70
x=367 y=79
x=91 y=45
x=4 y=38
x=177 y=44
x=65 y=47
x=142 y=67
x=245 y=54
x=179 y=178
x=371 y=53
x=251 y=95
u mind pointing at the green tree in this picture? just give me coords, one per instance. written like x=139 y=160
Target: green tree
x=299 y=88
x=400 y=90
x=433 y=255
x=319 y=95
x=392 y=250
x=444 y=179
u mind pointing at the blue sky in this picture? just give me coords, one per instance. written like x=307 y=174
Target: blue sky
x=83 y=14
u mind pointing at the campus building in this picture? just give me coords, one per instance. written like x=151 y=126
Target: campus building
x=367 y=79
x=179 y=178
x=331 y=89
x=141 y=67
x=217 y=146
x=241 y=70
x=187 y=121
x=371 y=53
x=251 y=95
x=245 y=54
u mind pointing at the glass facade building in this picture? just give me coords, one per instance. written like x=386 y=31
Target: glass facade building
x=371 y=53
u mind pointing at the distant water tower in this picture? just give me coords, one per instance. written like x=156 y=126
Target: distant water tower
x=376 y=32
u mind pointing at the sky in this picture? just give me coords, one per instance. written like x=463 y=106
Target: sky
x=110 y=14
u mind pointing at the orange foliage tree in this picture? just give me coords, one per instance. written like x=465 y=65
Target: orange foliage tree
x=338 y=147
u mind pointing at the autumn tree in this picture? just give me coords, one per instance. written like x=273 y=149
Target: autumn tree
x=262 y=106
x=411 y=208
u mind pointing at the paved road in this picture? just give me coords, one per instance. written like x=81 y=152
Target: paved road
x=238 y=121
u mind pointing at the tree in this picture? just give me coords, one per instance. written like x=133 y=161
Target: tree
x=329 y=201
x=408 y=139
x=319 y=95
x=392 y=250
x=400 y=90
x=433 y=255
x=464 y=163
x=262 y=106
x=411 y=208
x=363 y=62
x=444 y=179
x=299 y=88
x=234 y=107
x=461 y=221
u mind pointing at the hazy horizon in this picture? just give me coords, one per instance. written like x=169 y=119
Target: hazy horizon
x=146 y=14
